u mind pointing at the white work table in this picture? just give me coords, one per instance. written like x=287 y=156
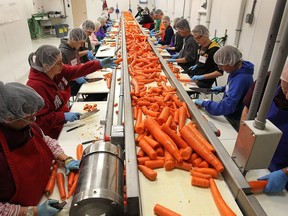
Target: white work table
x=69 y=140
x=105 y=50
x=94 y=87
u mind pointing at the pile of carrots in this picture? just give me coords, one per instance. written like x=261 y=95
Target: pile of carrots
x=166 y=136
x=59 y=178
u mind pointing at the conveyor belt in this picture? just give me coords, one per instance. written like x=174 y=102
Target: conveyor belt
x=235 y=181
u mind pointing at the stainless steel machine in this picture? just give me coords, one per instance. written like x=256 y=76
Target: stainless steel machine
x=100 y=185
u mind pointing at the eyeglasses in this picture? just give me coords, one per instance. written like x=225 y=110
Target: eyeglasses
x=198 y=38
x=29 y=119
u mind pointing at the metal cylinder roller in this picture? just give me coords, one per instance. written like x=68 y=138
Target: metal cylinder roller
x=99 y=190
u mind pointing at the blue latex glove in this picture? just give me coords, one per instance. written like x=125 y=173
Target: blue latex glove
x=46 y=208
x=71 y=165
x=217 y=89
x=277 y=181
x=199 y=102
x=107 y=35
x=108 y=63
x=90 y=55
x=192 y=67
x=80 y=80
x=175 y=56
x=197 y=77
x=171 y=60
x=152 y=33
x=156 y=42
x=100 y=42
x=71 y=116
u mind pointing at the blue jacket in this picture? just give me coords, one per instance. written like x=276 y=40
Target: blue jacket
x=238 y=84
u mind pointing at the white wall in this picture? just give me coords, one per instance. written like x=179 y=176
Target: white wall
x=224 y=16
x=15 y=46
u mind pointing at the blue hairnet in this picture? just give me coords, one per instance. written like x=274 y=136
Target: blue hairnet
x=77 y=34
x=228 y=55
x=18 y=101
x=44 y=58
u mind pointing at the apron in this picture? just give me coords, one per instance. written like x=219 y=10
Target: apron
x=279 y=118
x=30 y=166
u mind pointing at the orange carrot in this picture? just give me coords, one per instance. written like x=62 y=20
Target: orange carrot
x=203 y=164
x=141 y=160
x=153 y=127
x=182 y=117
x=117 y=61
x=197 y=161
x=210 y=171
x=71 y=177
x=177 y=139
x=140 y=153
x=200 y=182
x=135 y=109
x=139 y=125
x=61 y=185
x=183 y=165
x=79 y=151
x=176 y=116
x=200 y=137
x=169 y=121
x=51 y=182
x=147 y=149
x=154 y=164
x=258 y=186
x=163 y=211
x=201 y=149
x=186 y=153
x=168 y=161
x=164 y=115
x=73 y=187
x=222 y=206
x=160 y=151
x=153 y=143
x=200 y=175
x=148 y=172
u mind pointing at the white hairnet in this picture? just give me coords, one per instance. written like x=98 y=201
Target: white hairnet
x=88 y=25
x=18 y=101
x=102 y=19
x=97 y=25
x=228 y=55
x=77 y=34
x=44 y=58
x=284 y=74
x=201 y=30
x=183 y=24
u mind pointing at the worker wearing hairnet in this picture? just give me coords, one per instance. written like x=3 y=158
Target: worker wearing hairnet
x=26 y=154
x=205 y=71
x=240 y=78
x=86 y=50
x=278 y=115
x=70 y=55
x=188 y=54
x=49 y=77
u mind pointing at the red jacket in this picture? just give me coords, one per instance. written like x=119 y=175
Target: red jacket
x=51 y=117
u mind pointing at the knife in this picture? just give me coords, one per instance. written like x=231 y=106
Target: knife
x=71 y=129
x=94 y=79
x=88 y=114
